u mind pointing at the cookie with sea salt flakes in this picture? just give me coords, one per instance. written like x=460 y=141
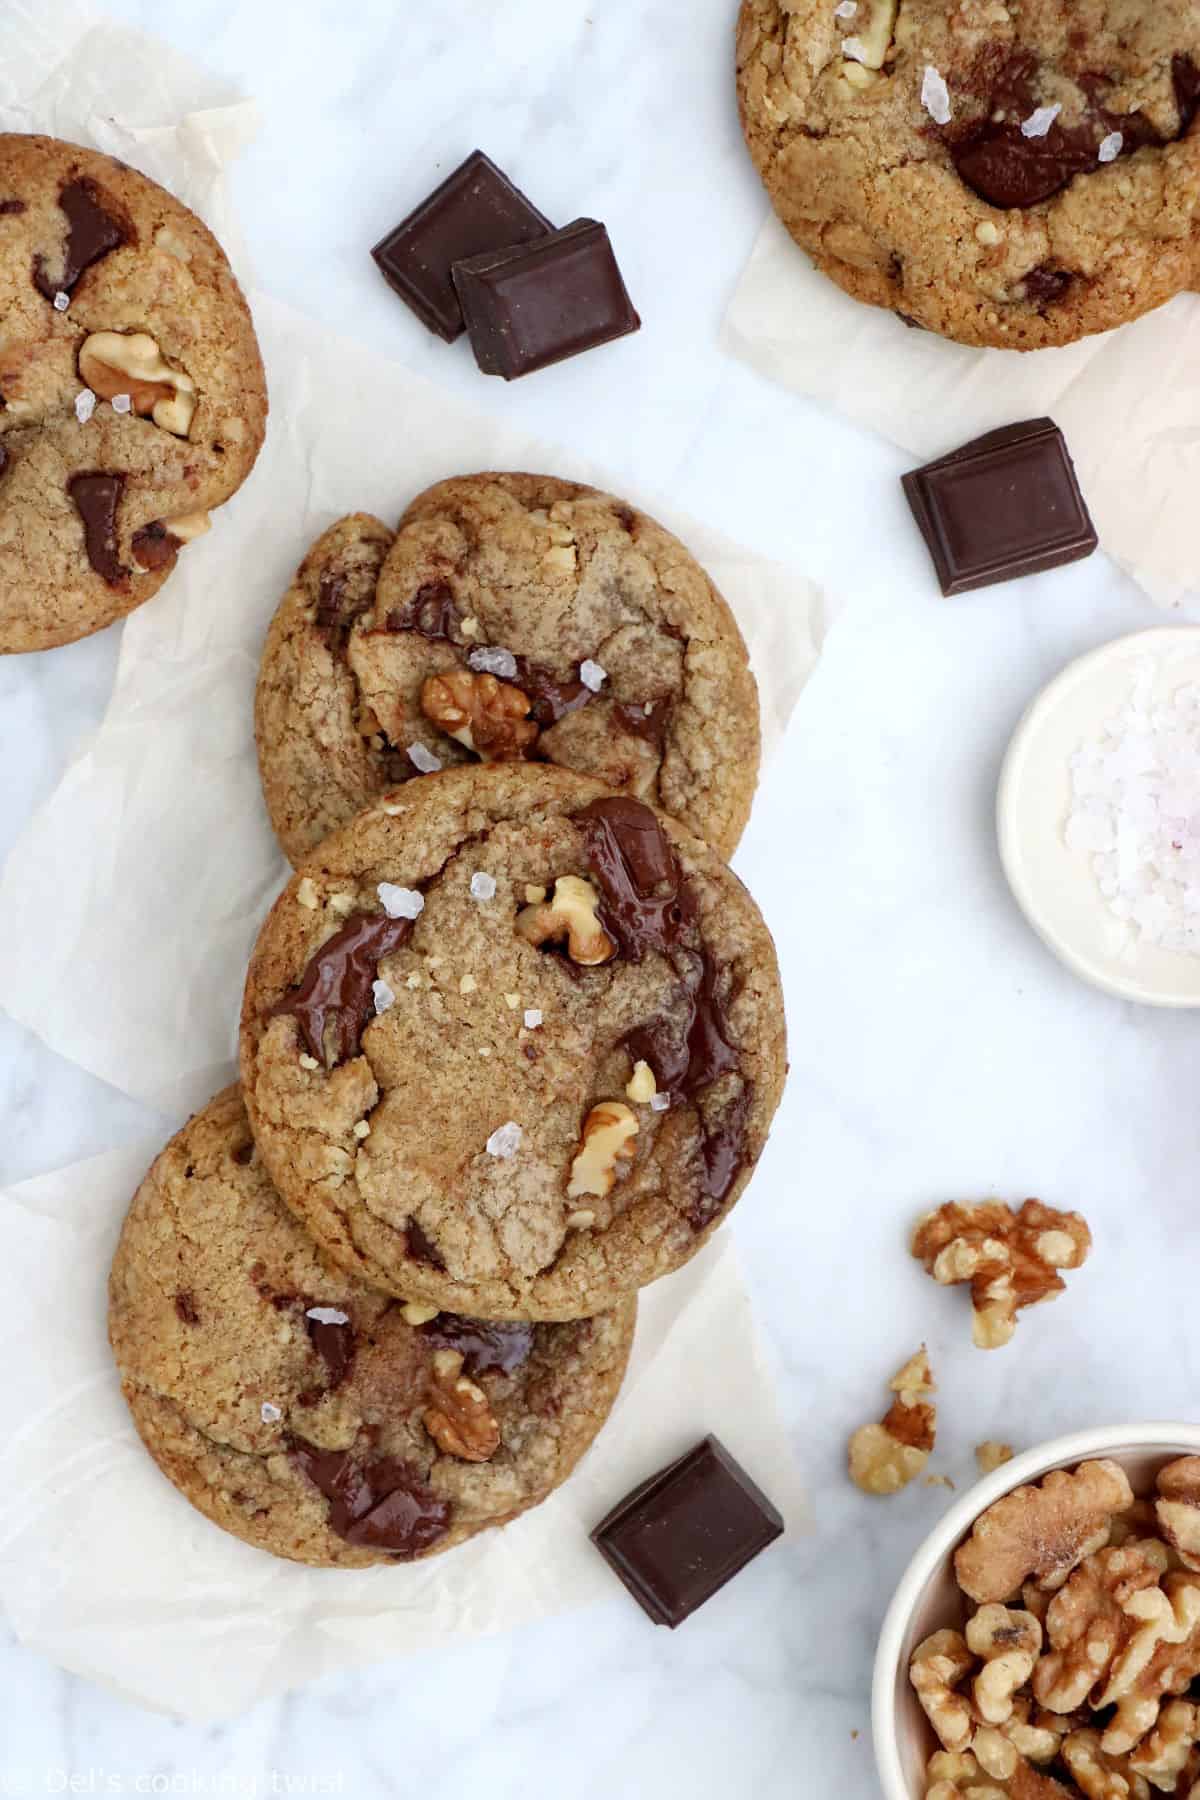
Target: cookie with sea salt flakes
x=1008 y=176
x=512 y=1043
x=132 y=396
x=508 y=618
x=310 y=1415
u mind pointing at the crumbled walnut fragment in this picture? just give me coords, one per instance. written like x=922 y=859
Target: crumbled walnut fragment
x=1010 y=1258
x=1043 y=1531
x=458 y=1418
x=884 y=1458
x=991 y=1455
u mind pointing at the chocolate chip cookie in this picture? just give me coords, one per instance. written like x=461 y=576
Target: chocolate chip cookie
x=511 y=1043
x=310 y=1415
x=509 y=618
x=1008 y=176
x=132 y=396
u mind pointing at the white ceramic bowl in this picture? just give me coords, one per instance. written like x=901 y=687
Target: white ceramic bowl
x=928 y=1598
x=1053 y=885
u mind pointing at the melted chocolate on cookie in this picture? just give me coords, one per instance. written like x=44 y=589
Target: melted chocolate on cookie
x=485 y=1345
x=96 y=498
x=380 y=1503
x=334 y=993
x=334 y=1342
x=431 y=613
x=550 y=697
x=91 y=233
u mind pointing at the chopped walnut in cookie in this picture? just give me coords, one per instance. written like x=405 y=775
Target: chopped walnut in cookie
x=488 y=716
x=884 y=1458
x=458 y=1418
x=570 y=918
x=1011 y=1258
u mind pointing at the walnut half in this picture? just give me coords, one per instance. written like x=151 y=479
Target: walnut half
x=1011 y=1258
x=458 y=1418
x=1043 y=1531
x=487 y=715
x=884 y=1458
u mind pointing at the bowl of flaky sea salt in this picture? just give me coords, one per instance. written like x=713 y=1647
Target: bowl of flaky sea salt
x=1098 y=815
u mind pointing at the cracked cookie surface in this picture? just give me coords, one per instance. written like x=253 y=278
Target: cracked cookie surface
x=579 y=1052
x=300 y=1409
x=565 y=585
x=106 y=473
x=1015 y=176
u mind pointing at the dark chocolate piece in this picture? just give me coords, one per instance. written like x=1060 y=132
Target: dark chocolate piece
x=431 y=613
x=335 y=991
x=550 y=698
x=537 y=304
x=91 y=234
x=11 y=206
x=154 y=546
x=476 y=209
x=1005 y=505
x=485 y=1345
x=679 y=1537
x=334 y=1344
x=382 y=1504
x=185 y=1307
x=644 y=905
x=422 y=1248
x=644 y=719
x=96 y=498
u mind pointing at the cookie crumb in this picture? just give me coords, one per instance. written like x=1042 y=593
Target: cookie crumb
x=362 y=1129
x=306 y=893
x=483 y=885
x=85 y=405
x=533 y=1018
x=505 y=1141
x=424 y=760
x=121 y=403
x=467 y=984
x=939 y=1481
x=1038 y=124
x=592 y=675
x=935 y=95
x=270 y=1413
x=469 y=628
x=493 y=659
x=400 y=902
x=512 y=1001
x=61 y=301
x=534 y=895
x=327 y=1315
x=383 y=996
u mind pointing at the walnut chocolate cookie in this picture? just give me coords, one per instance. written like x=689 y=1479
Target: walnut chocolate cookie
x=508 y=618
x=512 y=1044
x=132 y=397
x=309 y=1414
x=1008 y=175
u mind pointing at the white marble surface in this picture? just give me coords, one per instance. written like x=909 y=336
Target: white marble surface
x=937 y=1050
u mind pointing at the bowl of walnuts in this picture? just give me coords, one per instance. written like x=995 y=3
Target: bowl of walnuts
x=1044 y=1642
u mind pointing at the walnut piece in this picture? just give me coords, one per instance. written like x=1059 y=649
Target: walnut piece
x=1177 y=1509
x=1007 y=1643
x=1164 y=1755
x=569 y=916
x=991 y=1455
x=872 y=39
x=1162 y=1657
x=935 y=1669
x=486 y=714
x=1043 y=1531
x=1098 y=1776
x=608 y=1131
x=1010 y=1258
x=1086 y=1624
x=884 y=1458
x=119 y=362
x=458 y=1418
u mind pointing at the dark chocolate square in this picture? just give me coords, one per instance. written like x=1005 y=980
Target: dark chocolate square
x=679 y=1537
x=1005 y=505
x=475 y=210
x=539 y=303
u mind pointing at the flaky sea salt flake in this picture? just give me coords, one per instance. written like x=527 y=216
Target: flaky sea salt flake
x=935 y=95
x=493 y=659
x=327 y=1315
x=1111 y=147
x=270 y=1413
x=855 y=49
x=400 y=902
x=1038 y=124
x=383 y=996
x=483 y=885
x=61 y=301
x=121 y=403
x=592 y=675
x=659 y=1102
x=533 y=1017
x=85 y=405
x=845 y=9
x=505 y=1141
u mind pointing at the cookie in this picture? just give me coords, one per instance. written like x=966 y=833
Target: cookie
x=132 y=396
x=307 y=1413
x=1016 y=177
x=512 y=1044
x=509 y=617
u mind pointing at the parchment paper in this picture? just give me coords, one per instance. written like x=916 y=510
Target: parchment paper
x=148 y=871
x=151 y=866
x=105 y=1568
x=1128 y=401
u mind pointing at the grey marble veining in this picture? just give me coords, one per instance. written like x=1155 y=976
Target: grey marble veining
x=937 y=1050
